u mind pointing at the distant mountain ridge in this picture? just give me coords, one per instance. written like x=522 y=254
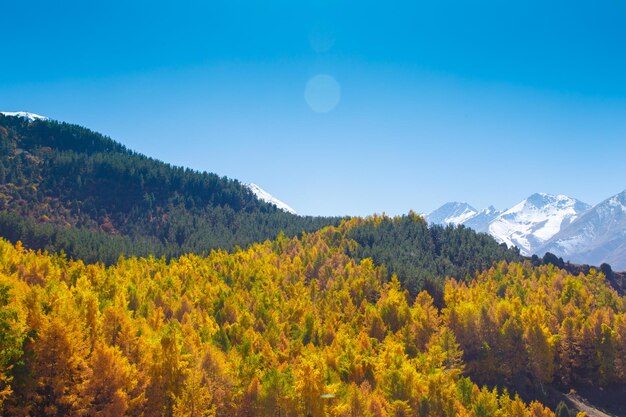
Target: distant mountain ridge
x=457 y=213
x=541 y=223
x=597 y=236
x=454 y=213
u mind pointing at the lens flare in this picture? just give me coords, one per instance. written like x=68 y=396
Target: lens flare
x=322 y=93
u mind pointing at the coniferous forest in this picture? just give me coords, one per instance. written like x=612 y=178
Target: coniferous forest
x=132 y=287
x=64 y=187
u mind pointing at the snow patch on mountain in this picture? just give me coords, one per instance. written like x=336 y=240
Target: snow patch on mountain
x=531 y=222
x=544 y=223
x=30 y=117
x=481 y=221
x=457 y=213
x=597 y=236
x=454 y=213
x=527 y=225
x=263 y=195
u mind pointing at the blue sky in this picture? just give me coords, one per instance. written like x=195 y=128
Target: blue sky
x=436 y=101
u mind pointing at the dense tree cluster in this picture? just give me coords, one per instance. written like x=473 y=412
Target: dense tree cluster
x=291 y=327
x=64 y=187
x=525 y=327
x=421 y=255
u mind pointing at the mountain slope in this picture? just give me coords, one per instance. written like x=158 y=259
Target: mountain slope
x=65 y=187
x=597 y=236
x=482 y=219
x=276 y=326
x=527 y=225
x=533 y=221
x=454 y=213
x=268 y=198
x=29 y=117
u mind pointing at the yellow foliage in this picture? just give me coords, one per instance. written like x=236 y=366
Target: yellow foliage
x=272 y=328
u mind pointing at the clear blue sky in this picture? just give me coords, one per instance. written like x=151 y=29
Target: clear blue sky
x=477 y=101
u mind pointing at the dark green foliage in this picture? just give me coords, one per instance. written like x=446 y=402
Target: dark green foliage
x=550 y=258
x=606 y=270
x=421 y=255
x=67 y=188
x=80 y=243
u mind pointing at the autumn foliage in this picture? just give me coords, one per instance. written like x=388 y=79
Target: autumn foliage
x=292 y=327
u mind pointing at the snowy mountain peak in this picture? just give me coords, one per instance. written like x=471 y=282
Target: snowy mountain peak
x=31 y=117
x=488 y=210
x=454 y=213
x=544 y=223
x=541 y=200
x=536 y=219
x=263 y=195
x=597 y=236
x=481 y=221
x=618 y=200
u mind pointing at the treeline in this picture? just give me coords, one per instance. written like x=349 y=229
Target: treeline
x=71 y=189
x=97 y=246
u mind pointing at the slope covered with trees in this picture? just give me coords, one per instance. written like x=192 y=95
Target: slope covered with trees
x=265 y=331
x=422 y=256
x=526 y=327
x=295 y=327
x=64 y=187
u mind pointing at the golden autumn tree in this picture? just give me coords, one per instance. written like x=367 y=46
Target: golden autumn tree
x=61 y=369
x=110 y=387
x=540 y=345
x=166 y=374
x=196 y=399
x=309 y=384
x=11 y=337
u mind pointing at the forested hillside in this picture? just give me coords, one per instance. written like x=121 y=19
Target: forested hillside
x=64 y=187
x=422 y=256
x=235 y=308
x=295 y=327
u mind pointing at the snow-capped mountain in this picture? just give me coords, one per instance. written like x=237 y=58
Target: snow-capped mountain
x=454 y=213
x=31 y=117
x=482 y=219
x=531 y=222
x=544 y=223
x=527 y=225
x=597 y=236
x=268 y=198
